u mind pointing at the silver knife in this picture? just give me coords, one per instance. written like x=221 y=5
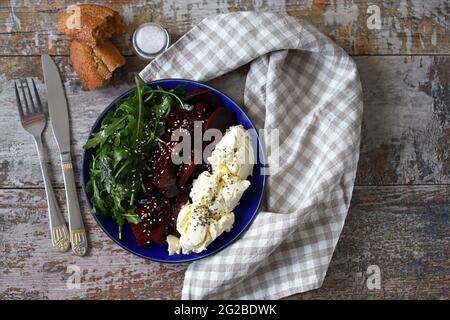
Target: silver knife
x=59 y=118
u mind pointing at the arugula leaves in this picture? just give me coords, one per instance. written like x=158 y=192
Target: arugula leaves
x=120 y=164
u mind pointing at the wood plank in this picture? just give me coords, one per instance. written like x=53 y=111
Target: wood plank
x=31 y=269
x=407 y=27
x=406 y=127
x=405 y=137
x=402 y=229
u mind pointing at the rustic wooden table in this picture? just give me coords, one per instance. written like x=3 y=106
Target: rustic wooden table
x=399 y=217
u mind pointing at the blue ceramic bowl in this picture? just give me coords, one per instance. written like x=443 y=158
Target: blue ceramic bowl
x=244 y=212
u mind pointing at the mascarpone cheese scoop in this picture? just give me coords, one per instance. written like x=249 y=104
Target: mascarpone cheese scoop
x=234 y=153
x=215 y=195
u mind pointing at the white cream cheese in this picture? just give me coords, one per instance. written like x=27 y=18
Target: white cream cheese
x=234 y=153
x=198 y=227
x=228 y=194
x=204 y=188
x=174 y=244
x=215 y=195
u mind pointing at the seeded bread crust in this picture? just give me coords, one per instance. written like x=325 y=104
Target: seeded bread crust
x=95 y=66
x=90 y=24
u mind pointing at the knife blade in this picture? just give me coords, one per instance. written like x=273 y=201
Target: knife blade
x=59 y=119
x=57 y=103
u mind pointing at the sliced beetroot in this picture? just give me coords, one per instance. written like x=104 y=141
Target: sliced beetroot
x=186 y=171
x=166 y=178
x=179 y=202
x=154 y=212
x=159 y=231
x=181 y=118
x=152 y=206
x=164 y=171
x=180 y=135
x=198 y=124
x=203 y=95
x=171 y=191
x=203 y=110
x=156 y=233
x=142 y=239
x=173 y=229
x=150 y=186
x=186 y=188
x=221 y=119
x=167 y=136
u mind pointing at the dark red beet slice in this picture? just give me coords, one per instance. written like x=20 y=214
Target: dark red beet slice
x=166 y=178
x=142 y=238
x=167 y=136
x=180 y=201
x=150 y=186
x=221 y=119
x=178 y=136
x=170 y=191
x=173 y=228
x=154 y=213
x=164 y=171
x=186 y=170
x=159 y=231
x=203 y=95
x=203 y=110
x=186 y=188
x=180 y=118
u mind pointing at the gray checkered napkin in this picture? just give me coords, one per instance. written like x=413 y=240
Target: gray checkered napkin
x=301 y=83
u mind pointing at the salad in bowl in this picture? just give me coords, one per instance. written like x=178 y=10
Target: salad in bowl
x=172 y=170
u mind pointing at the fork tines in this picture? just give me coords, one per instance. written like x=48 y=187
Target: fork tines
x=32 y=106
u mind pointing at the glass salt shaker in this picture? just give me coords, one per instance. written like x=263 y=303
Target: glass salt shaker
x=149 y=40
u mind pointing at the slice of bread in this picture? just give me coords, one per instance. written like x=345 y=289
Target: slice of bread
x=90 y=24
x=95 y=66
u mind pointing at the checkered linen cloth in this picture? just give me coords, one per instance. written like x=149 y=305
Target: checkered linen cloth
x=301 y=83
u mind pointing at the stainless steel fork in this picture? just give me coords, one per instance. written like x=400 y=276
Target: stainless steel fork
x=33 y=120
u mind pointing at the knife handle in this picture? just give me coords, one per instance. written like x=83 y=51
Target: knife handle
x=78 y=238
x=58 y=228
